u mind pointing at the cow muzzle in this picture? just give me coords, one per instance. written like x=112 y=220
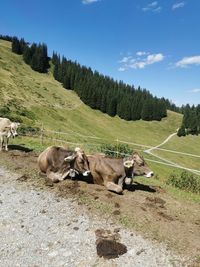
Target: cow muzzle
x=14 y=134
x=149 y=174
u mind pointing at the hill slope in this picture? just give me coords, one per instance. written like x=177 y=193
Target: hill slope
x=39 y=100
x=60 y=109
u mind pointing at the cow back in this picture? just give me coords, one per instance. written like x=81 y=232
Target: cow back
x=53 y=157
x=105 y=168
x=4 y=124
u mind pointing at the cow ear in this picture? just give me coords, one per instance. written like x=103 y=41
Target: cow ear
x=9 y=134
x=70 y=158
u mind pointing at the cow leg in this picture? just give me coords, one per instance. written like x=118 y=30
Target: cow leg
x=6 y=143
x=1 y=145
x=121 y=181
x=113 y=187
x=52 y=176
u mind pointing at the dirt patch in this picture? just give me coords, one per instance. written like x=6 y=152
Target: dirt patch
x=108 y=245
x=116 y=212
x=155 y=201
x=165 y=216
x=69 y=187
x=109 y=195
x=146 y=208
x=23 y=178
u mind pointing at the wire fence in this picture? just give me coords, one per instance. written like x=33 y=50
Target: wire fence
x=93 y=144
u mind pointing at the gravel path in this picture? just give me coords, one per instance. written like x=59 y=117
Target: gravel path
x=37 y=228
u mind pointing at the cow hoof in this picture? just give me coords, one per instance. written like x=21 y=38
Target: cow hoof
x=119 y=191
x=55 y=180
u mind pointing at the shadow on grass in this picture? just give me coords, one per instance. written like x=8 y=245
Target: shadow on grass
x=141 y=187
x=19 y=148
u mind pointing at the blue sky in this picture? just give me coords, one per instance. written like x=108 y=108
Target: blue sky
x=154 y=44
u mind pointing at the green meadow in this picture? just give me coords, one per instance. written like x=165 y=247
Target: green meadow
x=38 y=100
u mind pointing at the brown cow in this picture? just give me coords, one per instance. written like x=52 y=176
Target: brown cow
x=113 y=173
x=59 y=163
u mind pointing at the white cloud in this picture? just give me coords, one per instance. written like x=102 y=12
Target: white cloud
x=87 y=2
x=178 y=5
x=157 y=10
x=141 y=53
x=121 y=69
x=153 y=7
x=196 y=90
x=153 y=4
x=140 y=62
x=125 y=59
x=154 y=58
x=195 y=60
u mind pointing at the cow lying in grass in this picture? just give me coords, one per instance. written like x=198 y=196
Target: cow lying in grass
x=113 y=173
x=59 y=163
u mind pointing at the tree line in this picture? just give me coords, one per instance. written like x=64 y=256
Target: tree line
x=35 y=55
x=6 y=37
x=94 y=89
x=191 y=121
x=107 y=95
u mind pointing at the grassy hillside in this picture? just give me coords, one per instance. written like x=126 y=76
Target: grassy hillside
x=38 y=100
x=60 y=109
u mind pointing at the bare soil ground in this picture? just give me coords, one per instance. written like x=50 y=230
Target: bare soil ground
x=147 y=209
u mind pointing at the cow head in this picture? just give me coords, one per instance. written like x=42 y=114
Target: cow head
x=78 y=163
x=13 y=129
x=140 y=166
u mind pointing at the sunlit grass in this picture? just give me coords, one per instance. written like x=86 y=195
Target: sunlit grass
x=61 y=110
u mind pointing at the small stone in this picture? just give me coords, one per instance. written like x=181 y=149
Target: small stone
x=67 y=254
x=132 y=252
x=53 y=254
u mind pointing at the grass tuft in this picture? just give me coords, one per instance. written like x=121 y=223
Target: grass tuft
x=185 y=181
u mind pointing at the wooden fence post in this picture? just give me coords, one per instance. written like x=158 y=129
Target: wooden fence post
x=41 y=135
x=117 y=148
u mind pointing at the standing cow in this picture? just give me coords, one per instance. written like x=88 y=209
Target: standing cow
x=7 y=129
x=113 y=173
x=59 y=163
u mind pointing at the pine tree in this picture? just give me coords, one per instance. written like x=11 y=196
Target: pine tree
x=27 y=55
x=181 y=131
x=147 y=110
x=16 y=48
x=112 y=106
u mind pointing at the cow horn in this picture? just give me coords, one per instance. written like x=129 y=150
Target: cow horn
x=128 y=163
x=77 y=149
x=69 y=158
